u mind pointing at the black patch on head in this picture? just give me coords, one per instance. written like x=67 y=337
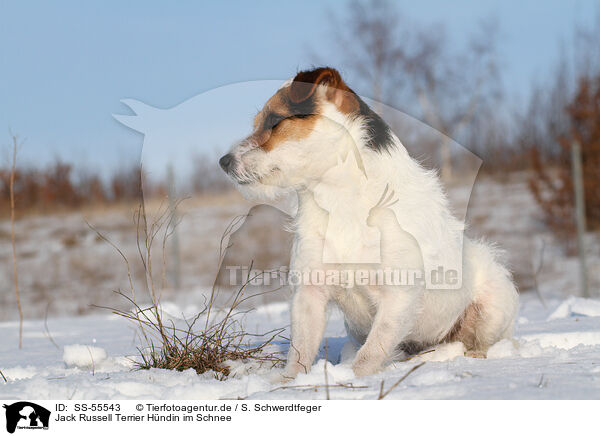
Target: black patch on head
x=302 y=109
x=380 y=136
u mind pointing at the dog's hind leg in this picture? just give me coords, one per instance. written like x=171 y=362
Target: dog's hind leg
x=499 y=307
x=488 y=319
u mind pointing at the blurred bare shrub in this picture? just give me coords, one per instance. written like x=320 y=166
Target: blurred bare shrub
x=126 y=184
x=91 y=188
x=551 y=182
x=27 y=189
x=63 y=186
x=542 y=122
x=56 y=188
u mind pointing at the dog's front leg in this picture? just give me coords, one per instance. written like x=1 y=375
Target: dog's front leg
x=392 y=322
x=308 y=324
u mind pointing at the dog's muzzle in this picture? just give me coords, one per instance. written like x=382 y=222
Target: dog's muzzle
x=227 y=162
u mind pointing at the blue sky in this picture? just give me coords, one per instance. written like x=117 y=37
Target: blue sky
x=67 y=64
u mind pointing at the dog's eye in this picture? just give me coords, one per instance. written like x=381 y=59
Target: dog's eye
x=273 y=120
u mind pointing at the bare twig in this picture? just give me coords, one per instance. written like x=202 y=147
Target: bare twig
x=541 y=383
x=326 y=378
x=47 y=329
x=6 y=381
x=233 y=225
x=93 y=364
x=305 y=387
x=109 y=242
x=11 y=189
x=536 y=272
x=382 y=394
x=418 y=355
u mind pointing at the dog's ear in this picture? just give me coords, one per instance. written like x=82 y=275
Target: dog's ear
x=305 y=84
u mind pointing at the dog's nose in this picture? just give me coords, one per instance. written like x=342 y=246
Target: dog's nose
x=226 y=162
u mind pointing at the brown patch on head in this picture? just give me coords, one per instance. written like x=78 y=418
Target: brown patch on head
x=306 y=82
x=282 y=120
x=293 y=111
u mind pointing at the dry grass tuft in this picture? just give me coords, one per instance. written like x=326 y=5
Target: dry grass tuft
x=167 y=346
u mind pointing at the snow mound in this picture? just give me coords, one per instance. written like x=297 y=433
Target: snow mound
x=515 y=348
x=443 y=352
x=83 y=356
x=535 y=345
x=335 y=374
x=19 y=372
x=575 y=306
x=565 y=340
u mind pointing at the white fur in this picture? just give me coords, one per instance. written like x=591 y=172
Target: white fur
x=416 y=233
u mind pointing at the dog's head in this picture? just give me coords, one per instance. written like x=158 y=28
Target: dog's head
x=299 y=134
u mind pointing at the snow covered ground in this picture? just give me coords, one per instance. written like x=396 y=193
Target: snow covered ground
x=555 y=354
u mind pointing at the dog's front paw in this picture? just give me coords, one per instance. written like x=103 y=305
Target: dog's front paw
x=280 y=376
x=363 y=369
x=289 y=373
x=362 y=366
x=476 y=354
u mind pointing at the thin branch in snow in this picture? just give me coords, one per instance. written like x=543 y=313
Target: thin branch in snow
x=382 y=394
x=47 y=329
x=325 y=369
x=536 y=272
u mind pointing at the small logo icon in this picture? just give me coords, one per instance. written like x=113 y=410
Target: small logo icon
x=26 y=415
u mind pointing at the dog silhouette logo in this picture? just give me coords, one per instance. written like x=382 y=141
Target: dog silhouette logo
x=367 y=213
x=26 y=415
